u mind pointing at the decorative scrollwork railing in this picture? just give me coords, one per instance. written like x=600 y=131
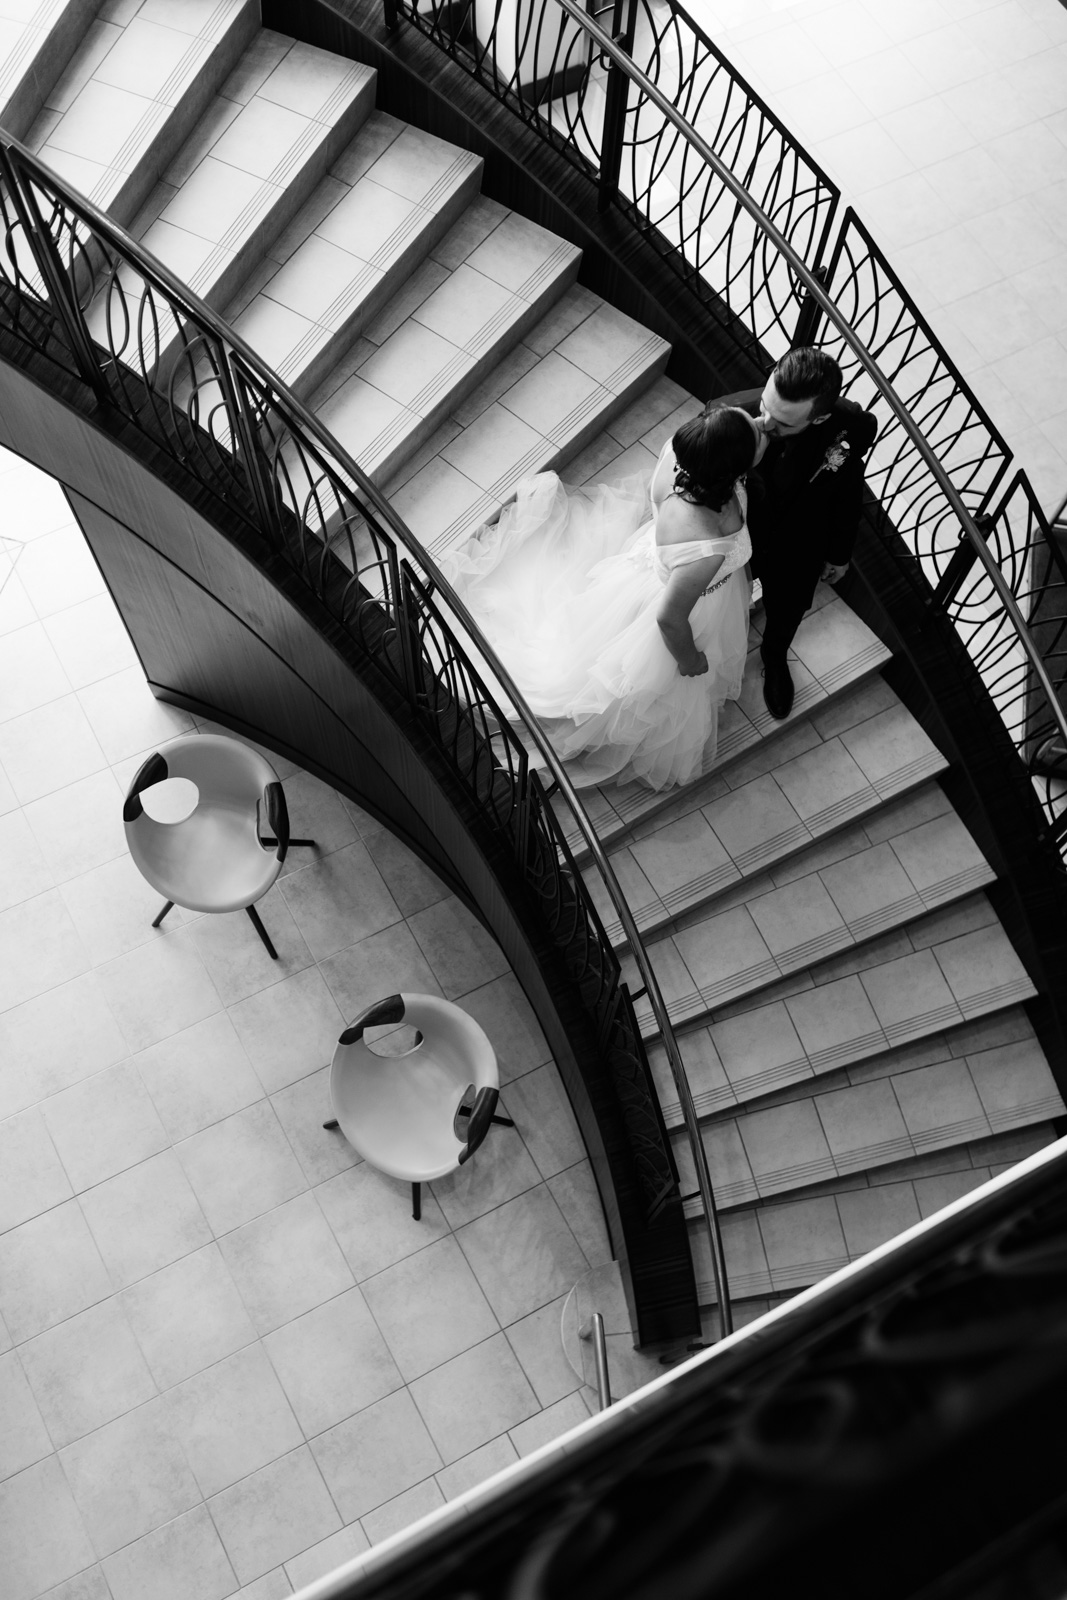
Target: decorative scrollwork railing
x=548 y=67
x=76 y=291
x=893 y=1431
x=682 y=148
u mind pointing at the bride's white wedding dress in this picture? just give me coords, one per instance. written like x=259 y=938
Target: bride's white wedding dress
x=566 y=588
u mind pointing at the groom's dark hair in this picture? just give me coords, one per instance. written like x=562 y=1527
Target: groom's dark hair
x=808 y=374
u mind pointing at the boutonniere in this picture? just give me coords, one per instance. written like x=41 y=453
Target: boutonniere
x=835 y=457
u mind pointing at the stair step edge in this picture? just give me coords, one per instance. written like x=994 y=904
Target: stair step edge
x=848 y=1220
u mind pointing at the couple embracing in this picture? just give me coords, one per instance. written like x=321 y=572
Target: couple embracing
x=622 y=612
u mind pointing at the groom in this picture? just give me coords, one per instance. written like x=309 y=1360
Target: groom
x=804 y=508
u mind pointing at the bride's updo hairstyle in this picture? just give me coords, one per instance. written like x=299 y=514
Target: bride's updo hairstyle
x=712 y=452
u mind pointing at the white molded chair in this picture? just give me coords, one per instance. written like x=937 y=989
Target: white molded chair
x=229 y=850
x=419 y=1115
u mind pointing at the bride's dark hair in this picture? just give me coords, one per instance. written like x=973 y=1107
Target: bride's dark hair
x=712 y=452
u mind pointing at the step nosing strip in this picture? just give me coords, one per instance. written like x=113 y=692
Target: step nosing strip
x=888 y=916
x=958 y=883
x=758 y=1083
x=864 y=1044
x=931 y=1021
x=717 y=877
x=772 y=848
x=430 y=395
x=815 y=949
x=904 y=777
x=805 y=1272
x=564 y=430
x=793 y=1177
x=963 y=1130
x=992 y=999
x=342 y=306
x=638 y=360
x=562 y=256
x=390 y=251
x=879 y=1153
x=1032 y=1111
x=862 y=800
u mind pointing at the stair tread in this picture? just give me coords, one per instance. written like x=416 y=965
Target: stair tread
x=249 y=180
x=110 y=112
x=907 y=991
x=832 y=653
x=34 y=55
x=830 y=1132
x=786 y=1244
x=421 y=371
x=771 y=931
x=552 y=407
x=407 y=189
x=681 y=860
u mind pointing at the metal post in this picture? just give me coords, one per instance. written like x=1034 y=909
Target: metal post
x=594 y=1329
x=959 y=564
x=615 y=111
x=60 y=292
x=809 y=317
x=246 y=446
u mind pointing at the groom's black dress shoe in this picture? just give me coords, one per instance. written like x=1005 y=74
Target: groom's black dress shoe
x=777 y=689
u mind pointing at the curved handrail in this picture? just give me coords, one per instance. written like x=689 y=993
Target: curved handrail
x=203 y=316
x=692 y=1419
x=607 y=47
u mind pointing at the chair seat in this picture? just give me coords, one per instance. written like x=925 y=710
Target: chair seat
x=211 y=861
x=398 y=1111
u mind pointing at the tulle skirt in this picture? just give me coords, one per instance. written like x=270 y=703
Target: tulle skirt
x=566 y=588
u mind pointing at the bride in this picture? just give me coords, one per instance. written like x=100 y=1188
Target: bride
x=625 y=633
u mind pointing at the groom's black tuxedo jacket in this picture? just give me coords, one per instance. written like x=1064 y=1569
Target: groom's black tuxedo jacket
x=806 y=495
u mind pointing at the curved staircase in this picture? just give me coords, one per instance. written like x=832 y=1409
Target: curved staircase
x=851 y=1013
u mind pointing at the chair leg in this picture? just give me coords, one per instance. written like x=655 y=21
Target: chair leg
x=308 y=844
x=168 y=907
x=416 y=1201
x=261 y=930
x=503 y=1122
x=333 y=1123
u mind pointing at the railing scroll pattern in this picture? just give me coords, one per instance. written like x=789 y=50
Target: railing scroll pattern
x=688 y=154
x=887 y=1422
x=547 y=67
x=77 y=291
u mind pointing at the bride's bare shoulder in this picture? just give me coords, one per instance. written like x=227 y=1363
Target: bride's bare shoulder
x=678 y=521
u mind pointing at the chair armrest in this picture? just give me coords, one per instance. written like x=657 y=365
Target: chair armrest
x=154 y=770
x=381 y=1012
x=479 y=1122
x=277 y=819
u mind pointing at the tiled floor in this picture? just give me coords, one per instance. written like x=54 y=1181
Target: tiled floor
x=228 y=1356
x=945 y=124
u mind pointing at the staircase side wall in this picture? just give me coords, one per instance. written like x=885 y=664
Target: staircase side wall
x=215 y=635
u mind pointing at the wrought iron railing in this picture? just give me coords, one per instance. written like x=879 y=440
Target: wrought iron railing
x=687 y=152
x=77 y=291
x=893 y=1431
x=548 y=67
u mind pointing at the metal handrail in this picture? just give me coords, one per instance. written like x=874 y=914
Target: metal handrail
x=594 y=1330
x=200 y=313
x=607 y=47
x=625 y=1437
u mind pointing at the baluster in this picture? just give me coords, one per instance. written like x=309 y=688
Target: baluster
x=615 y=108
x=61 y=296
